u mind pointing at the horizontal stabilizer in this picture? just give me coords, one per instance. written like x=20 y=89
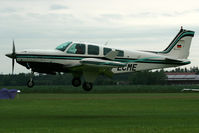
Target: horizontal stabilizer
x=177 y=61
x=173 y=60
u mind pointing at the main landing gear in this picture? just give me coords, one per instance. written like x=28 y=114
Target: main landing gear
x=87 y=86
x=76 y=82
x=30 y=82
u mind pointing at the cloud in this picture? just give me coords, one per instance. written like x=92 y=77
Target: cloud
x=112 y=16
x=196 y=10
x=179 y=13
x=48 y=23
x=149 y=14
x=58 y=7
x=8 y=10
x=143 y=15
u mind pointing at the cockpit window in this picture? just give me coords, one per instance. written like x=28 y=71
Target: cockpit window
x=107 y=50
x=120 y=53
x=76 y=48
x=93 y=50
x=63 y=46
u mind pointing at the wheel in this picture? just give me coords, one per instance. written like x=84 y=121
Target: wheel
x=87 y=86
x=76 y=82
x=30 y=83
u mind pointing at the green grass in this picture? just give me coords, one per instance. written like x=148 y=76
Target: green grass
x=105 y=89
x=101 y=113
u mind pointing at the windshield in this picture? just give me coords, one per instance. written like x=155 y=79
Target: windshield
x=63 y=46
x=76 y=48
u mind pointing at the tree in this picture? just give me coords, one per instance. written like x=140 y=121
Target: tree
x=148 y=78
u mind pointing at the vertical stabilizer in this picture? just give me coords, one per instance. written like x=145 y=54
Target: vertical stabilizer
x=180 y=45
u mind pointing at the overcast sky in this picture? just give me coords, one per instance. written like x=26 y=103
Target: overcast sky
x=126 y=24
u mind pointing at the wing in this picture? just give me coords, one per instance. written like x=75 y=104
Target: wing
x=101 y=63
x=92 y=67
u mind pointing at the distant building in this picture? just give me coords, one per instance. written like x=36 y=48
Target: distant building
x=182 y=78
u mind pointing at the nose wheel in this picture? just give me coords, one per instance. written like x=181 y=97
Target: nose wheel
x=87 y=86
x=30 y=82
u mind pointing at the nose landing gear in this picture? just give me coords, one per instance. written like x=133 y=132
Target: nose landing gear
x=30 y=82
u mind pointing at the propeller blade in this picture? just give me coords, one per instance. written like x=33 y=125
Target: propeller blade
x=13 y=49
x=13 y=65
x=13 y=56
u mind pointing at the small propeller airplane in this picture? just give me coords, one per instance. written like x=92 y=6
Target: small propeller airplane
x=86 y=60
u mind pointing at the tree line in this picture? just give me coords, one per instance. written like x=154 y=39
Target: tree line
x=144 y=78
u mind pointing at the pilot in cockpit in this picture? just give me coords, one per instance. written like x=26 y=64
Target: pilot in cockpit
x=79 y=49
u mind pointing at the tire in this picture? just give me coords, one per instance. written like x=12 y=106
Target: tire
x=87 y=86
x=30 y=83
x=76 y=82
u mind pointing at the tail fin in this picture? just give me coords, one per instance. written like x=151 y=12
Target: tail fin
x=180 y=45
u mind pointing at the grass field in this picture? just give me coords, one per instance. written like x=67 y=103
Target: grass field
x=101 y=113
x=105 y=89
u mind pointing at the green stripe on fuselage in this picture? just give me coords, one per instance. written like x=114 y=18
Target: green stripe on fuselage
x=142 y=60
x=48 y=57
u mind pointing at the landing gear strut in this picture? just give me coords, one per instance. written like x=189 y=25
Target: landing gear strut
x=76 y=82
x=87 y=86
x=30 y=82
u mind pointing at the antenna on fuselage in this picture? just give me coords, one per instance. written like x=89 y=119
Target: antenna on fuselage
x=106 y=43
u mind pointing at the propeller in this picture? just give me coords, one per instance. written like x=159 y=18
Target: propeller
x=13 y=56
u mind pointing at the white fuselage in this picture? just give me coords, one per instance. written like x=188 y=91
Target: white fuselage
x=135 y=60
